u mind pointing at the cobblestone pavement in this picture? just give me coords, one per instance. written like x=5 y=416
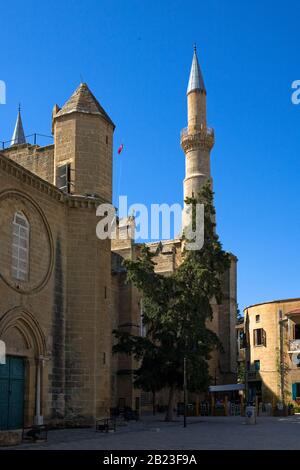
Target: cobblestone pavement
x=201 y=433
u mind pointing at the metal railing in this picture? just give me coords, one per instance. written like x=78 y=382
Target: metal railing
x=294 y=345
x=189 y=131
x=252 y=374
x=31 y=139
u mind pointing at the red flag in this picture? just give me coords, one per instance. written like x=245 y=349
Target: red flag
x=120 y=149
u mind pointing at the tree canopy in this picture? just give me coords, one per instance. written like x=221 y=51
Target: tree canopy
x=176 y=313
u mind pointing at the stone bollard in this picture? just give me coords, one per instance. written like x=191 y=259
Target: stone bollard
x=9 y=438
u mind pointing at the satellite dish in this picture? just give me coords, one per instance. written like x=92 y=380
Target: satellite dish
x=2 y=353
x=296 y=359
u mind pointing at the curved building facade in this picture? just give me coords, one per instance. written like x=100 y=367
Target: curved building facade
x=272 y=343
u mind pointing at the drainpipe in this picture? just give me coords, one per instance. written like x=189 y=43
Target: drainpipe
x=38 y=419
x=281 y=358
x=247 y=357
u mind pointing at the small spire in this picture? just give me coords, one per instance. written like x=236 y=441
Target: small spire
x=196 y=81
x=18 y=135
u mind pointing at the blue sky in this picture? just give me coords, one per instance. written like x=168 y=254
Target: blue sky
x=136 y=56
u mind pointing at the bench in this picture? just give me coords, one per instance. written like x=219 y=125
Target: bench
x=105 y=425
x=35 y=433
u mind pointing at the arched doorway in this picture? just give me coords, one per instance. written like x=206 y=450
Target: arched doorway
x=20 y=377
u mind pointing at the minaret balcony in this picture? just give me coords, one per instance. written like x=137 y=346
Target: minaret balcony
x=192 y=139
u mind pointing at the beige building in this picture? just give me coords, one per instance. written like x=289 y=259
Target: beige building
x=62 y=290
x=272 y=351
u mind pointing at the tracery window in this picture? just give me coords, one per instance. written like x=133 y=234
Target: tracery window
x=20 y=247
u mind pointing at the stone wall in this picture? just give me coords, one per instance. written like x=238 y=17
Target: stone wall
x=62 y=313
x=38 y=160
x=85 y=141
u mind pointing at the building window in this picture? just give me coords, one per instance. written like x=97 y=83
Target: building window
x=297 y=331
x=20 y=247
x=242 y=340
x=259 y=337
x=296 y=391
x=257 y=318
x=257 y=365
x=63 y=177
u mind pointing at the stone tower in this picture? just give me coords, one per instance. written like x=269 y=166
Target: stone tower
x=197 y=139
x=83 y=143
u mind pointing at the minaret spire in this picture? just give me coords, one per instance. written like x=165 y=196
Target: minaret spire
x=18 y=135
x=196 y=81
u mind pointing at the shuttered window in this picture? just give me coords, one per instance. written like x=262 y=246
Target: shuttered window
x=20 y=247
x=259 y=337
x=63 y=177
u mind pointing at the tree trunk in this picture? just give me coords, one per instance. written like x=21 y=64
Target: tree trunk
x=169 y=415
x=153 y=403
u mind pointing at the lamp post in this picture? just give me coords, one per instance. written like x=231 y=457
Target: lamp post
x=184 y=392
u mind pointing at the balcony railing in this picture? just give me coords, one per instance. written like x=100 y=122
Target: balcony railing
x=253 y=375
x=294 y=345
x=204 y=130
x=32 y=139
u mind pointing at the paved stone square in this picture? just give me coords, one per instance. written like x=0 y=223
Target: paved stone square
x=201 y=433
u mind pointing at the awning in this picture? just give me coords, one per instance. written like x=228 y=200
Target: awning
x=294 y=312
x=294 y=315
x=226 y=388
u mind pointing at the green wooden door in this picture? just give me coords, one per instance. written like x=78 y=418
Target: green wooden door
x=12 y=393
x=4 y=394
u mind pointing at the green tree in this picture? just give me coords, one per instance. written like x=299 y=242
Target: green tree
x=176 y=312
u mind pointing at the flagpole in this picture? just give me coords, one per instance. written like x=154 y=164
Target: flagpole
x=120 y=175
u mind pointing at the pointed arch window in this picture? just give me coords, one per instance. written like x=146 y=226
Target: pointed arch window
x=20 y=247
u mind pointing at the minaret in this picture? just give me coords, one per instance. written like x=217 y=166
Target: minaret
x=18 y=135
x=197 y=139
